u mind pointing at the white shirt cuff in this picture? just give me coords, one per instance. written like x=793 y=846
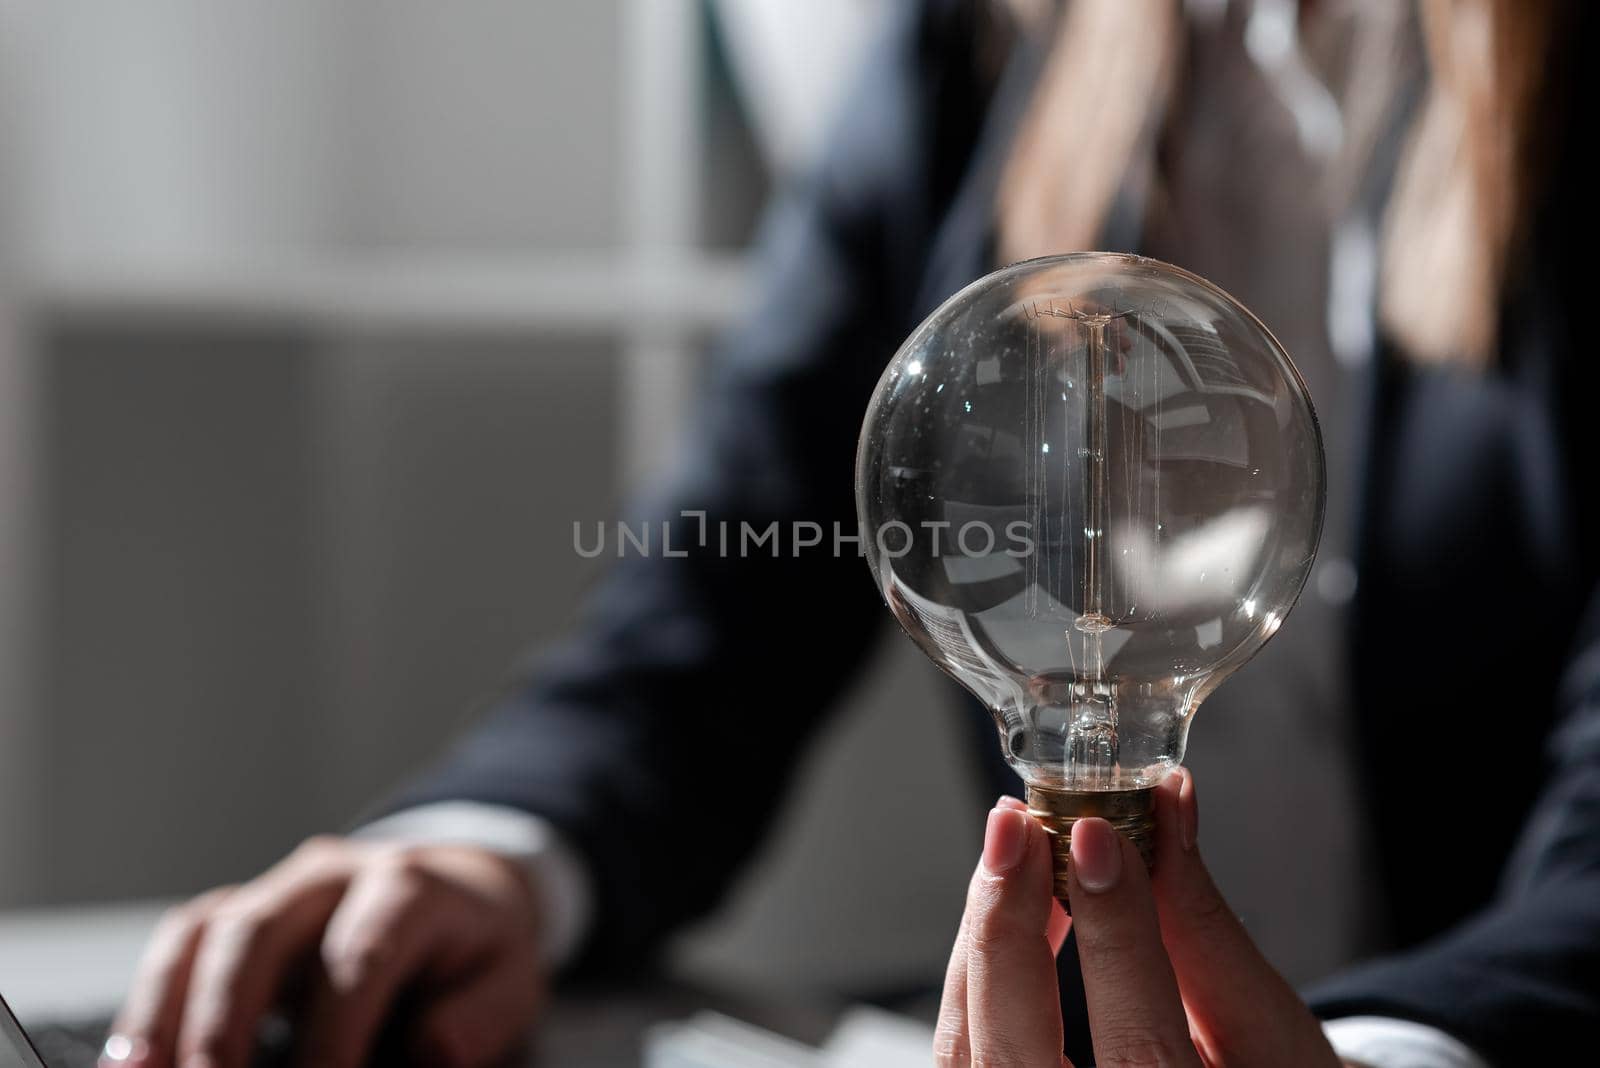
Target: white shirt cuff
x=1385 y=1042
x=559 y=878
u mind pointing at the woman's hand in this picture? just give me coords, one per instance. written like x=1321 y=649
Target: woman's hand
x=354 y=925
x=1171 y=977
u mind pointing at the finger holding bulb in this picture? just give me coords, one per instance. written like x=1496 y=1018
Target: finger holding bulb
x=1000 y=1002
x=1135 y=1013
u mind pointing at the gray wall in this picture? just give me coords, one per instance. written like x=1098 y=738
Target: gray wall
x=281 y=572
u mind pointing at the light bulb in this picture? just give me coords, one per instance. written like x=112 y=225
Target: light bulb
x=1091 y=487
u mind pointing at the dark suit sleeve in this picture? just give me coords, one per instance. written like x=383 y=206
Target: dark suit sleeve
x=659 y=739
x=1521 y=981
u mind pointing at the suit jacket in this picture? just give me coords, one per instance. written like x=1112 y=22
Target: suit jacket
x=1479 y=724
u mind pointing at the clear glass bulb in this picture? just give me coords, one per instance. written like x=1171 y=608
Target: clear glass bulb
x=1090 y=488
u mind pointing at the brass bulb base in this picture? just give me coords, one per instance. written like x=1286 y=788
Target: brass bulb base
x=1131 y=812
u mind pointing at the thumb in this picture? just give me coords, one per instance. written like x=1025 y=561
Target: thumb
x=1239 y=1006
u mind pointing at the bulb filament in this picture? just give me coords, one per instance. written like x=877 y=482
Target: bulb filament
x=1091 y=752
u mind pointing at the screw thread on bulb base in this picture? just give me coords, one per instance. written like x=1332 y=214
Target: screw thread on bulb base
x=1131 y=812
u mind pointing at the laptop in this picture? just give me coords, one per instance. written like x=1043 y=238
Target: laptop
x=52 y=1046
x=16 y=1050
x=78 y=1045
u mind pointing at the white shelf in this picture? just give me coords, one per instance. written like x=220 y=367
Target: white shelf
x=577 y=292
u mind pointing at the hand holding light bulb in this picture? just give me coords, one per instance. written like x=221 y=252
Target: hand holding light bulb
x=1170 y=974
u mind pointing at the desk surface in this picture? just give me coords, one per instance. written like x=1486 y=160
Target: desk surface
x=73 y=964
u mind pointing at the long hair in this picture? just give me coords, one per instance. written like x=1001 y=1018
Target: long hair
x=1457 y=223
x=1457 y=219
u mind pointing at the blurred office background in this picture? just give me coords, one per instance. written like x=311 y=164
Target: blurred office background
x=320 y=325
x=323 y=323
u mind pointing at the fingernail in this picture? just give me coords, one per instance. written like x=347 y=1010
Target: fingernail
x=124 y=1051
x=1188 y=812
x=1096 y=855
x=1003 y=840
x=200 y=1060
x=1007 y=801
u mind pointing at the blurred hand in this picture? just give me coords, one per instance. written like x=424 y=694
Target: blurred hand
x=348 y=927
x=1171 y=977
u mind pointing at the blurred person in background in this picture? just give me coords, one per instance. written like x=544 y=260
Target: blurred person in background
x=1396 y=189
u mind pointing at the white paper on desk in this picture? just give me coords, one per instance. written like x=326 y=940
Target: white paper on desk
x=712 y=1040
x=864 y=1038
x=872 y=1038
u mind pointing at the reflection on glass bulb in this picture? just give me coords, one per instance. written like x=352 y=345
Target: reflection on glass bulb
x=1090 y=488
